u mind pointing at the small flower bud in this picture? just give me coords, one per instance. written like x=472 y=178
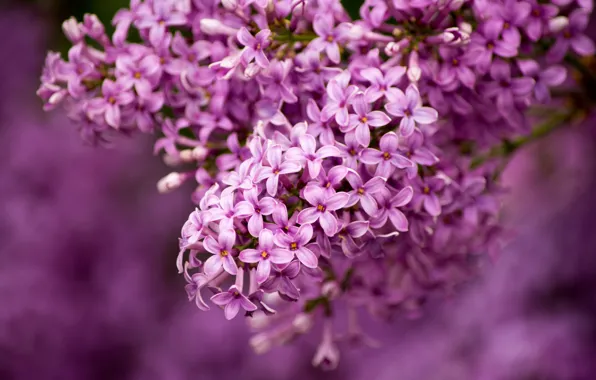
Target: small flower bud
x=330 y=289
x=557 y=24
x=302 y=323
x=171 y=182
x=414 y=71
x=93 y=27
x=211 y=26
x=260 y=343
x=73 y=30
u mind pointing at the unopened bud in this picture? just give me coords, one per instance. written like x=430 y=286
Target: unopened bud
x=211 y=26
x=302 y=323
x=557 y=24
x=171 y=182
x=414 y=71
x=93 y=26
x=330 y=289
x=73 y=30
x=260 y=343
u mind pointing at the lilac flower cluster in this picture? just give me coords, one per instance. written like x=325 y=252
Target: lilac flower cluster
x=338 y=162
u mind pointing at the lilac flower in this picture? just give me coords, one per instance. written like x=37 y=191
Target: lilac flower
x=281 y=280
x=408 y=106
x=388 y=158
x=351 y=231
x=192 y=230
x=362 y=192
x=331 y=180
x=318 y=127
x=275 y=81
x=550 y=77
x=351 y=151
x=328 y=36
x=364 y=119
x=143 y=74
x=413 y=148
x=232 y=301
x=254 y=46
x=296 y=132
x=156 y=17
x=222 y=252
x=572 y=36
x=339 y=96
x=143 y=111
x=193 y=288
x=189 y=55
x=380 y=84
x=238 y=153
x=506 y=89
x=486 y=43
x=277 y=168
x=256 y=208
x=427 y=197
x=389 y=208
x=115 y=95
x=296 y=243
x=230 y=211
x=265 y=254
x=538 y=19
x=308 y=156
x=322 y=205
x=313 y=72
x=514 y=15
x=282 y=222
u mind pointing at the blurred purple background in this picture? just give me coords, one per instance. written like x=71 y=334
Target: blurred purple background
x=89 y=289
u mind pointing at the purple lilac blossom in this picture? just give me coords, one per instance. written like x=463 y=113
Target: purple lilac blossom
x=413 y=100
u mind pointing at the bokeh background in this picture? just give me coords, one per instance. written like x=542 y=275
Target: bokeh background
x=89 y=289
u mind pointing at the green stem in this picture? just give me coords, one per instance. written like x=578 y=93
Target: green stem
x=289 y=37
x=508 y=147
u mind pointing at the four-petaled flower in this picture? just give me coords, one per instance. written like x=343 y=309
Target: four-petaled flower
x=322 y=206
x=232 y=301
x=296 y=244
x=254 y=46
x=388 y=158
x=308 y=155
x=265 y=254
x=222 y=252
x=409 y=107
x=364 y=119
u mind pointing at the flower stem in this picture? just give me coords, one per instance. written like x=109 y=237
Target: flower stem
x=508 y=147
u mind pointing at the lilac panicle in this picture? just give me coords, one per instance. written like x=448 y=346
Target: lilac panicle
x=336 y=160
